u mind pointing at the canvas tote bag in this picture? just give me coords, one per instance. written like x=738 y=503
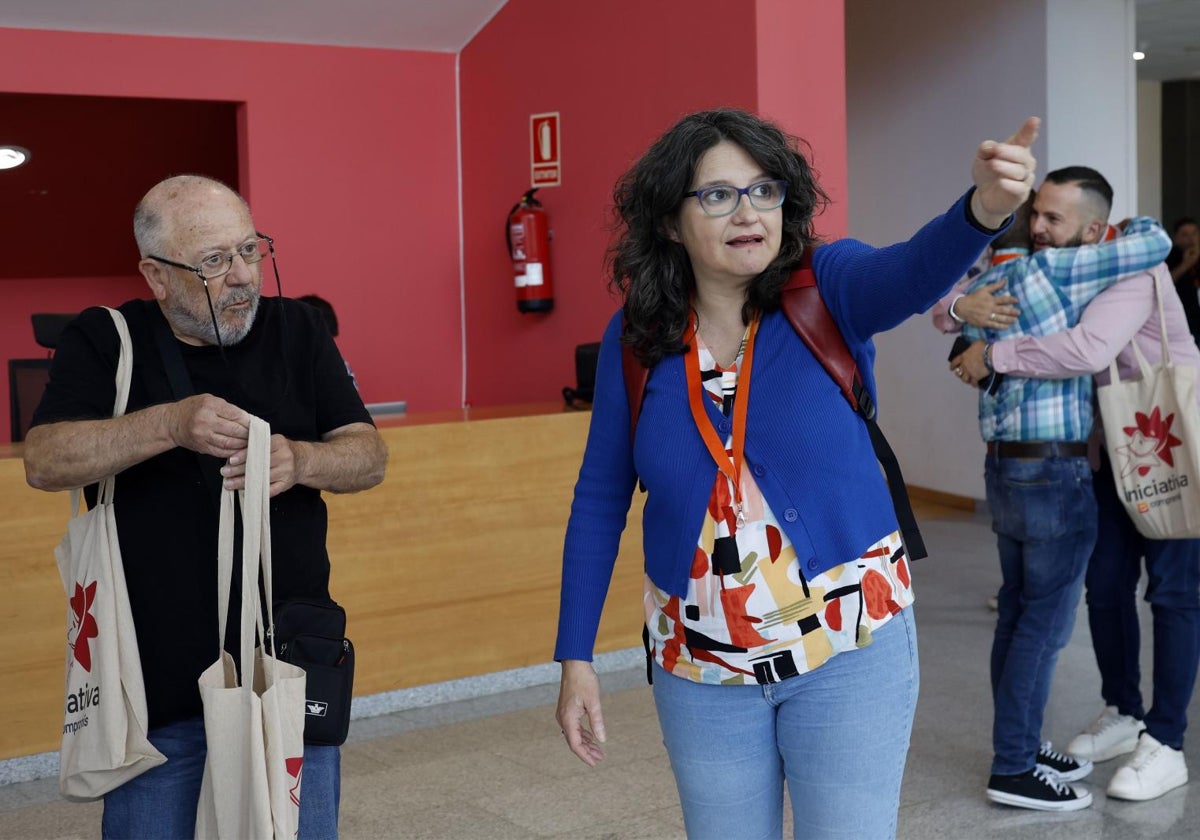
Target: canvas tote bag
x=254 y=729
x=104 y=740
x=1152 y=434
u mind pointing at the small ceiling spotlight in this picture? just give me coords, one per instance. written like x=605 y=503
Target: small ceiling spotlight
x=1138 y=55
x=12 y=156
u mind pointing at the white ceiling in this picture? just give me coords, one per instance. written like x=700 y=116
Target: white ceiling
x=1167 y=30
x=432 y=25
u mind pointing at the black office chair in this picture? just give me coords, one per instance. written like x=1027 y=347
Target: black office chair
x=27 y=378
x=586 y=356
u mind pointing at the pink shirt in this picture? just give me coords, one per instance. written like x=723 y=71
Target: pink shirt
x=1113 y=318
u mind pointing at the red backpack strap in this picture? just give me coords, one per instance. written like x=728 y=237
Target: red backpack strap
x=802 y=304
x=636 y=377
x=809 y=316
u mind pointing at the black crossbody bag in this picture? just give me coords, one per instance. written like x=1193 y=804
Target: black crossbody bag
x=308 y=633
x=312 y=635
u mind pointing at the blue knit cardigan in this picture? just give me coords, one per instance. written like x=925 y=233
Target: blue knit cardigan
x=810 y=454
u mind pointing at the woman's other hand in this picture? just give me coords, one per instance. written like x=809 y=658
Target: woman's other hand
x=1003 y=174
x=579 y=698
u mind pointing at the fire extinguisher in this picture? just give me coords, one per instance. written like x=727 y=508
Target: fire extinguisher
x=528 y=234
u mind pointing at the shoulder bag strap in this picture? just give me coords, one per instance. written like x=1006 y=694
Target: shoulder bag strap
x=108 y=485
x=181 y=382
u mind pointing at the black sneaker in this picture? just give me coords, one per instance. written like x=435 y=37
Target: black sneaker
x=1066 y=767
x=1037 y=789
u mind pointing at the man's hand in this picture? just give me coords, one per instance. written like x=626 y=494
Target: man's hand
x=209 y=425
x=968 y=365
x=345 y=460
x=1191 y=256
x=1187 y=261
x=283 y=467
x=985 y=308
x=1003 y=174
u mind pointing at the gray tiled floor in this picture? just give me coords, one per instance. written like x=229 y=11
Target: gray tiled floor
x=496 y=767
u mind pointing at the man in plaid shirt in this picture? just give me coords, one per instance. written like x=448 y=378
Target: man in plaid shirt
x=1039 y=481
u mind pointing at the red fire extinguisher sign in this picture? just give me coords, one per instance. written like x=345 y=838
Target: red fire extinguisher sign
x=545 y=153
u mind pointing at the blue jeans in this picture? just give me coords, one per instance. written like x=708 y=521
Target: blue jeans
x=839 y=735
x=161 y=803
x=1173 y=590
x=1044 y=517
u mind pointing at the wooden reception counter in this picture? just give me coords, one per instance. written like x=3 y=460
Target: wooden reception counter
x=448 y=569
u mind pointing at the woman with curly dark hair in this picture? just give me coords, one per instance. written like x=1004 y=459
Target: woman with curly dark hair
x=776 y=586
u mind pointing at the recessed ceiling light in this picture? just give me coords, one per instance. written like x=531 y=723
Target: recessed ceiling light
x=12 y=156
x=1138 y=55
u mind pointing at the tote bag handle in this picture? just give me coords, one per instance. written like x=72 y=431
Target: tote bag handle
x=1143 y=364
x=256 y=547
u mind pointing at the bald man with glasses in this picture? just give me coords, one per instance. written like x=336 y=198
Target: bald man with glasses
x=182 y=438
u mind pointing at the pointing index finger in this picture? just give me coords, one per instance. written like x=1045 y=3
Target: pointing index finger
x=1026 y=134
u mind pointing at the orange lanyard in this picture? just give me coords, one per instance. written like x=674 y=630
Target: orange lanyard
x=716 y=447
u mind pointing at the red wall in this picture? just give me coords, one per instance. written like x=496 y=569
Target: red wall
x=620 y=73
x=802 y=86
x=351 y=163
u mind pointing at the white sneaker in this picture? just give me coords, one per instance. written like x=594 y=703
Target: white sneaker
x=1153 y=770
x=1110 y=735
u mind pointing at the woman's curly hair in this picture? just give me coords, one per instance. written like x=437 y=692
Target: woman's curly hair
x=653 y=273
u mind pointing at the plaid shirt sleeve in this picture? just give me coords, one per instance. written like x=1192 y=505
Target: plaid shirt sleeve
x=1053 y=286
x=1082 y=273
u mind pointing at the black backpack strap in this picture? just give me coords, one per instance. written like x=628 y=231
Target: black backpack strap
x=181 y=383
x=806 y=311
x=168 y=349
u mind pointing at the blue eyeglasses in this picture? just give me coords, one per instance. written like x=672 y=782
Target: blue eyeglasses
x=722 y=199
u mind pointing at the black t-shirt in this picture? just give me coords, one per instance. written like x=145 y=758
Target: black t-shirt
x=287 y=371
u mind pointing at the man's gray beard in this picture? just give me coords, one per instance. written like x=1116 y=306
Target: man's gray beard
x=185 y=322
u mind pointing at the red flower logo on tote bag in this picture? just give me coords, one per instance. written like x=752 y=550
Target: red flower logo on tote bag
x=1150 y=443
x=294 y=766
x=83 y=624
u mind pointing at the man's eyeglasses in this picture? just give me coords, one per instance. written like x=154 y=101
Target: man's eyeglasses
x=219 y=264
x=722 y=200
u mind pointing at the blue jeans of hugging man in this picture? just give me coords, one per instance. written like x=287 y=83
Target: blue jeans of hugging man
x=839 y=735
x=161 y=803
x=1173 y=591
x=1044 y=517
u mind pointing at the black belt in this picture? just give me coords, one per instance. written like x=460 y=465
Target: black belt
x=1036 y=449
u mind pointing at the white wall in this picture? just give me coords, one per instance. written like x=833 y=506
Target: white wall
x=926 y=81
x=1092 y=92
x=1149 y=148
